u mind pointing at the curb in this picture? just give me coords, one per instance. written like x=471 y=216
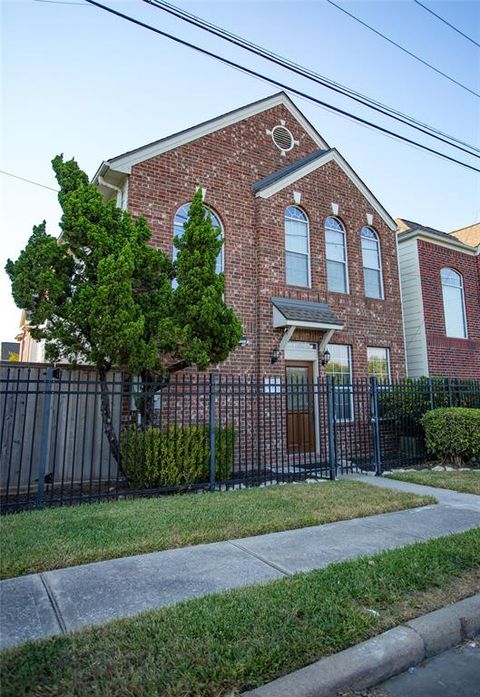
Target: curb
x=381 y=657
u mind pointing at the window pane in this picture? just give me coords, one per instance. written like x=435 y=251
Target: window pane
x=373 y=286
x=454 y=316
x=297 y=269
x=378 y=363
x=370 y=258
x=296 y=236
x=335 y=245
x=340 y=368
x=336 y=277
x=451 y=278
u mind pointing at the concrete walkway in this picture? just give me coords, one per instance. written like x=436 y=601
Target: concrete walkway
x=64 y=600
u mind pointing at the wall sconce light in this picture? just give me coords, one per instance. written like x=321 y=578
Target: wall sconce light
x=275 y=354
x=243 y=341
x=326 y=357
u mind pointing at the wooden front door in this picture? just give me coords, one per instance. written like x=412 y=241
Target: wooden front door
x=300 y=407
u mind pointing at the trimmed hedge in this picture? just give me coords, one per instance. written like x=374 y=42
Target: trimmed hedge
x=453 y=434
x=155 y=457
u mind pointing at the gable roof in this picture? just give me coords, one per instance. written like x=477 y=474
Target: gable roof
x=291 y=173
x=124 y=163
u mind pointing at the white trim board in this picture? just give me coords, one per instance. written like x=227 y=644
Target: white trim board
x=124 y=163
x=331 y=155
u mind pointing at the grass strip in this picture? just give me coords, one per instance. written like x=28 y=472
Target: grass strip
x=55 y=538
x=225 y=643
x=465 y=482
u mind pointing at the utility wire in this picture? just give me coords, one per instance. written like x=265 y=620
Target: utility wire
x=29 y=181
x=279 y=84
x=310 y=75
x=465 y=36
x=402 y=48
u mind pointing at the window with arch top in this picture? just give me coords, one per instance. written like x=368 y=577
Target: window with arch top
x=297 y=247
x=454 y=303
x=372 y=263
x=336 y=249
x=179 y=221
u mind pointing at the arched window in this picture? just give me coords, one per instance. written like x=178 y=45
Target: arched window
x=454 y=303
x=337 y=274
x=297 y=247
x=372 y=263
x=179 y=221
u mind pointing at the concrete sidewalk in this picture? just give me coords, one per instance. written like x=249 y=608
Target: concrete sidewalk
x=64 y=600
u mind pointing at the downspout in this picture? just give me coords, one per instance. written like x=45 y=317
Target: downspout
x=102 y=182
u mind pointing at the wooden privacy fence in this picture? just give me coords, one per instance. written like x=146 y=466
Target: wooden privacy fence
x=207 y=432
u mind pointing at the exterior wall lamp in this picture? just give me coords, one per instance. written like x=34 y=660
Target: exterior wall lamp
x=326 y=357
x=243 y=341
x=275 y=355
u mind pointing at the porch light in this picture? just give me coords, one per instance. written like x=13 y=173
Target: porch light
x=275 y=354
x=243 y=341
x=326 y=357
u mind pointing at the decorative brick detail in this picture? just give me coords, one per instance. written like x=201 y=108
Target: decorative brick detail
x=227 y=163
x=450 y=357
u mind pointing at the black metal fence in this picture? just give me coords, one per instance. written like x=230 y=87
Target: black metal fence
x=206 y=432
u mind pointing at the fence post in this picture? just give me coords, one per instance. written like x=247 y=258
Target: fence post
x=430 y=392
x=212 y=430
x=375 y=426
x=42 y=468
x=332 y=459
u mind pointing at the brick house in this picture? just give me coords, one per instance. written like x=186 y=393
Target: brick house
x=310 y=255
x=440 y=280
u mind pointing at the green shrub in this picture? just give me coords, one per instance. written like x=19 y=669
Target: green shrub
x=453 y=434
x=176 y=456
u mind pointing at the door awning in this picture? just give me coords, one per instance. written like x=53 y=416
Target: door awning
x=304 y=314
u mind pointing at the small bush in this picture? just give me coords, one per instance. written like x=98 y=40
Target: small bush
x=453 y=434
x=155 y=457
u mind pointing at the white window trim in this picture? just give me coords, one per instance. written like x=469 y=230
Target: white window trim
x=380 y=269
x=464 y=308
x=342 y=388
x=389 y=367
x=347 y=279
x=309 y=256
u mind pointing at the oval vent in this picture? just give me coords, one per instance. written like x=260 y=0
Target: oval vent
x=282 y=138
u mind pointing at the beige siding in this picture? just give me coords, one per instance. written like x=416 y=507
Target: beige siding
x=413 y=317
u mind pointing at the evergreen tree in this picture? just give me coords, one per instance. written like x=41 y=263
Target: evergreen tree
x=101 y=295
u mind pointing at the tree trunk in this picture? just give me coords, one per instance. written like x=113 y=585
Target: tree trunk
x=108 y=426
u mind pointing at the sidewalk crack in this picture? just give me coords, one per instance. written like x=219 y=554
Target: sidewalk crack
x=257 y=556
x=54 y=604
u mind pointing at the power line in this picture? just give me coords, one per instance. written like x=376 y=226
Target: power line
x=29 y=181
x=465 y=36
x=309 y=74
x=279 y=84
x=405 y=50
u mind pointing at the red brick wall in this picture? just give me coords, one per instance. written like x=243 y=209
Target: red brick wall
x=227 y=163
x=447 y=356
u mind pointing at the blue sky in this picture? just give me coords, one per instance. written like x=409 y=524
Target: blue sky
x=79 y=81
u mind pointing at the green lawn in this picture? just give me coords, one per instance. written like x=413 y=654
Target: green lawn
x=55 y=538
x=466 y=482
x=222 y=644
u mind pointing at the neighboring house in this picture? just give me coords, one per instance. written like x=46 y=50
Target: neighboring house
x=9 y=349
x=468 y=235
x=30 y=350
x=440 y=279
x=310 y=255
